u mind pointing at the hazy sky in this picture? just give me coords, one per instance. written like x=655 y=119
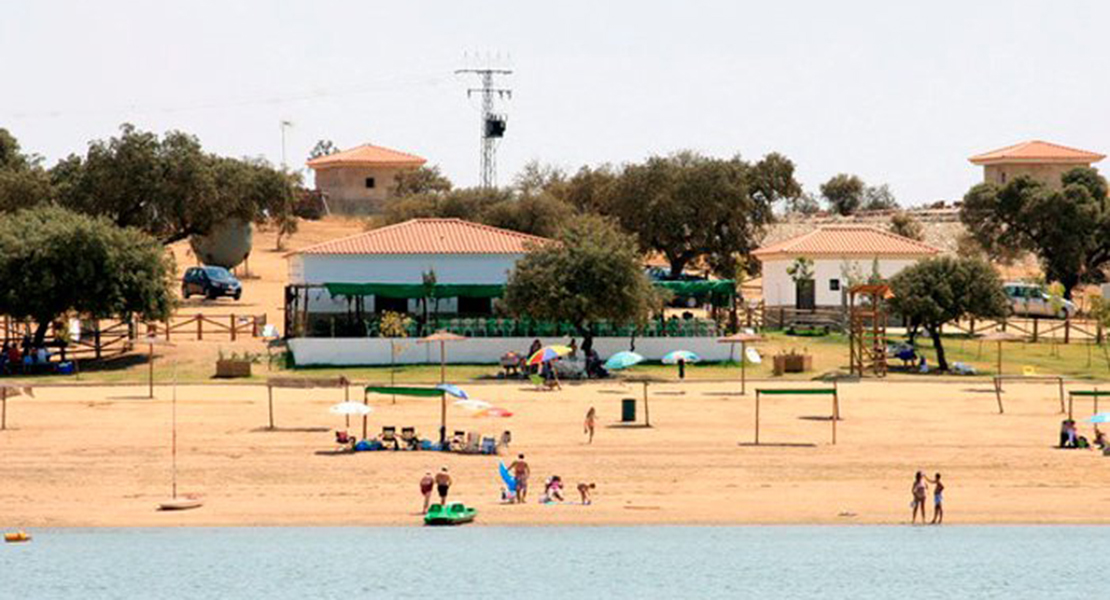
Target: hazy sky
x=896 y=92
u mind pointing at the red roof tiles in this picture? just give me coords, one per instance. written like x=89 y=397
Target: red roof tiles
x=1036 y=151
x=846 y=240
x=367 y=155
x=430 y=236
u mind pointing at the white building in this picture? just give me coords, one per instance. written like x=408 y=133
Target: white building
x=458 y=252
x=839 y=254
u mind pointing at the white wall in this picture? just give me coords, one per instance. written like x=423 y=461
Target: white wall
x=375 y=351
x=778 y=287
x=396 y=268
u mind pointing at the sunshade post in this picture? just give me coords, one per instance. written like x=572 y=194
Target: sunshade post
x=443 y=362
x=647 y=411
x=442 y=418
x=743 y=370
x=150 y=378
x=999 y=357
x=1061 y=395
x=366 y=402
x=3 y=408
x=270 y=396
x=836 y=412
x=757 y=417
x=998 y=393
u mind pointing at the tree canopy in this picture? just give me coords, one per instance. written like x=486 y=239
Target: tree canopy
x=1068 y=229
x=938 y=290
x=23 y=181
x=169 y=187
x=54 y=261
x=844 y=193
x=592 y=272
x=903 y=224
x=688 y=206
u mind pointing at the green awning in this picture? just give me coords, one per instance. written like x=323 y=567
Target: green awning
x=416 y=290
x=404 y=391
x=799 y=392
x=718 y=287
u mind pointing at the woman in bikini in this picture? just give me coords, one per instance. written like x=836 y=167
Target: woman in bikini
x=919 y=490
x=591 y=421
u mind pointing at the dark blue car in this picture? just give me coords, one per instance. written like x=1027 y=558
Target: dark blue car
x=210 y=282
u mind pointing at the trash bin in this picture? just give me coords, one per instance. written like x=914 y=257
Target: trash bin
x=628 y=410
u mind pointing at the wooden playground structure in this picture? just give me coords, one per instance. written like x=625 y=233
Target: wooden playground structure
x=867 y=320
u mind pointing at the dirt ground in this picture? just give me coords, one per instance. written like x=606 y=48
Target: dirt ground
x=100 y=456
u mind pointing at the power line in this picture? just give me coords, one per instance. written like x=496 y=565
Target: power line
x=493 y=124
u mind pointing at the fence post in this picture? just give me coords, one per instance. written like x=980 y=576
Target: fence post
x=200 y=327
x=96 y=338
x=1098 y=332
x=168 y=328
x=1067 y=328
x=232 y=327
x=1035 y=329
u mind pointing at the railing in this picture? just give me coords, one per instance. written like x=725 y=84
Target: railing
x=107 y=338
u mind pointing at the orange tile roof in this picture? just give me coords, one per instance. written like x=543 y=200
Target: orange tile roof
x=429 y=236
x=367 y=155
x=1036 y=151
x=846 y=240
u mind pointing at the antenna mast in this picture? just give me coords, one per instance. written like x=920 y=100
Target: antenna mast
x=493 y=124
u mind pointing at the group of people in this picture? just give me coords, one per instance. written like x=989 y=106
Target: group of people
x=22 y=358
x=521 y=472
x=1070 y=438
x=920 y=491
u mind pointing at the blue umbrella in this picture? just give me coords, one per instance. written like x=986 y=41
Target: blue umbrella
x=453 y=390
x=1100 y=418
x=683 y=355
x=622 y=360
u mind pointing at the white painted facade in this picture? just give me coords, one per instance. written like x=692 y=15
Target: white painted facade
x=395 y=268
x=828 y=274
x=376 y=351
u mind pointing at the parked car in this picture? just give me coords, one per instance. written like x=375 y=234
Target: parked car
x=210 y=282
x=1031 y=300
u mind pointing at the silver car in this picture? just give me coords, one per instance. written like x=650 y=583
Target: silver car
x=1031 y=300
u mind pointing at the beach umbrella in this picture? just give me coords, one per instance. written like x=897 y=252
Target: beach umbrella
x=473 y=404
x=548 y=353
x=453 y=390
x=999 y=337
x=494 y=412
x=742 y=338
x=350 y=408
x=1100 y=418
x=623 y=360
x=672 y=358
x=442 y=337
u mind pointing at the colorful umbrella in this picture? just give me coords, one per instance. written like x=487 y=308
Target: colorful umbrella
x=622 y=360
x=351 y=408
x=548 y=353
x=493 y=412
x=473 y=404
x=672 y=358
x=453 y=390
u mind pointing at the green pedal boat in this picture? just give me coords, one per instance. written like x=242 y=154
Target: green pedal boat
x=453 y=514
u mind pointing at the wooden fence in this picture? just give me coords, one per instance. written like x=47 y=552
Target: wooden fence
x=108 y=338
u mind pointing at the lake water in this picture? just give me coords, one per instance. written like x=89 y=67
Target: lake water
x=559 y=562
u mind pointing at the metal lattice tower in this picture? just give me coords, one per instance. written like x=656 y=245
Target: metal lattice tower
x=493 y=124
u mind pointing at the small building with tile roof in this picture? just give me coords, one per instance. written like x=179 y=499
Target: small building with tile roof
x=463 y=255
x=839 y=253
x=1043 y=161
x=360 y=180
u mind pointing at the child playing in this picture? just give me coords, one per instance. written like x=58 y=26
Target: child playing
x=584 y=490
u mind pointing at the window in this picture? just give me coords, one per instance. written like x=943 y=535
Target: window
x=369 y=183
x=475 y=306
x=834 y=285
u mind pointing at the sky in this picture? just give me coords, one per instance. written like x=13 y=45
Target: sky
x=896 y=92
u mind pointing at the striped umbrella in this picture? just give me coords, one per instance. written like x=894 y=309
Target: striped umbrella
x=548 y=353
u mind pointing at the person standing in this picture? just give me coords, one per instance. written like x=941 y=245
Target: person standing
x=426 y=485
x=521 y=471
x=938 y=500
x=443 y=485
x=919 y=489
x=591 y=422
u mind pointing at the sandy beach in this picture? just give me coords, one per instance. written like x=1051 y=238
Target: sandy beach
x=100 y=456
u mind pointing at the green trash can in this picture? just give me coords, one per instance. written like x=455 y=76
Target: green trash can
x=628 y=410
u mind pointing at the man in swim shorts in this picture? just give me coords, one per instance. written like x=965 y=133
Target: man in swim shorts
x=520 y=472
x=443 y=485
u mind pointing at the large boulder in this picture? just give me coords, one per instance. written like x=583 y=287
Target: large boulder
x=228 y=244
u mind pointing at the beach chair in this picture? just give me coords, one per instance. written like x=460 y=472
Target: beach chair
x=489 y=445
x=473 y=443
x=389 y=438
x=409 y=439
x=344 y=440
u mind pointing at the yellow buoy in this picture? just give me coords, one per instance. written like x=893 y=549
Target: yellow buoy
x=18 y=536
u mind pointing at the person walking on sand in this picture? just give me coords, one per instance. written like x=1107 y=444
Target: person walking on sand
x=919 y=489
x=591 y=421
x=443 y=485
x=520 y=470
x=938 y=500
x=426 y=485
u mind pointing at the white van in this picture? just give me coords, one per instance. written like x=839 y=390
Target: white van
x=1031 y=300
